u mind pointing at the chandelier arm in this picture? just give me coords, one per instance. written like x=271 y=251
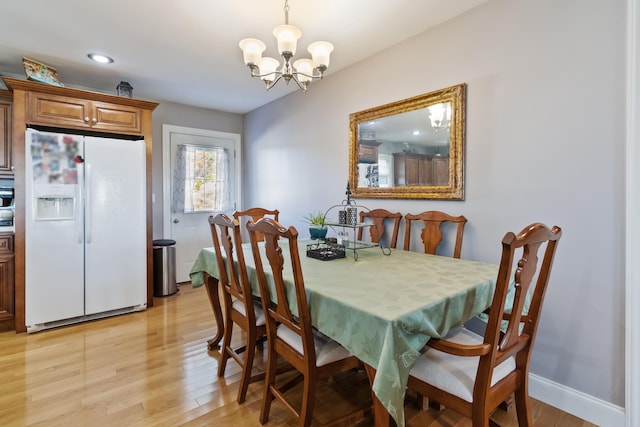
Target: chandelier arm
x=301 y=85
x=271 y=84
x=254 y=74
x=311 y=76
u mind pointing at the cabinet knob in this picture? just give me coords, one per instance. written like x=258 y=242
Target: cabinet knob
x=86 y=119
x=95 y=120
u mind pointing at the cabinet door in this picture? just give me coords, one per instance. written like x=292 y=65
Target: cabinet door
x=440 y=171
x=6 y=163
x=7 y=307
x=58 y=111
x=426 y=171
x=412 y=165
x=116 y=118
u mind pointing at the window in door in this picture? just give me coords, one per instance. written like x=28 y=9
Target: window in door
x=202 y=181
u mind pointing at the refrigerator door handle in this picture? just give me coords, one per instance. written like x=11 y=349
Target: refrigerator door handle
x=87 y=218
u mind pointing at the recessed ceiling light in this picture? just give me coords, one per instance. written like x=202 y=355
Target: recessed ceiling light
x=104 y=59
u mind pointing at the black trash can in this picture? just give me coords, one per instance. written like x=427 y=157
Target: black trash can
x=164 y=268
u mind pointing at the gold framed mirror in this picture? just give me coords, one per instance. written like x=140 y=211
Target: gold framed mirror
x=410 y=149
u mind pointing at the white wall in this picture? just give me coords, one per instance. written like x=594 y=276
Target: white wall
x=545 y=142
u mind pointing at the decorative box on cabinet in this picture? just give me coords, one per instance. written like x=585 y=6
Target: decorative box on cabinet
x=7 y=302
x=6 y=155
x=60 y=108
x=368 y=151
x=67 y=112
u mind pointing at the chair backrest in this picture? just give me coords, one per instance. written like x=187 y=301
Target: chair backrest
x=225 y=233
x=376 y=231
x=278 y=312
x=254 y=214
x=509 y=331
x=432 y=233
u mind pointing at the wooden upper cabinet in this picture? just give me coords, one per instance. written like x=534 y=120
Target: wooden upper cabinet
x=68 y=112
x=368 y=151
x=6 y=158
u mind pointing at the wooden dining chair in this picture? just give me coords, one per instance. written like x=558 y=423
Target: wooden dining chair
x=472 y=374
x=376 y=231
x=432 y=231
x=239 y=306
x=254 y=214
x=291 y=336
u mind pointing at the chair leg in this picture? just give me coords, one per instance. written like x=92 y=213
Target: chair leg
x=522 y=407
x=308 y=400
x=226 y=346
x=247 y=367
x=269 y=381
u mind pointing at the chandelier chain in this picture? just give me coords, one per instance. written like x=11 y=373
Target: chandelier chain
x=286 y=12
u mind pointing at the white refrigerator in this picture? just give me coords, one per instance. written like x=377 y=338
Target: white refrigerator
x=85 y=228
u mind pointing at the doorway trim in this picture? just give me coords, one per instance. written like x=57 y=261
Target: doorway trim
x=167 y=130
x=632 y=225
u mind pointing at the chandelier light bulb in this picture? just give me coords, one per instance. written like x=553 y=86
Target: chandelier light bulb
x=320 y=52
x=268 y=67
x=304 y=67
x=287 y=36
x=252 y=50
x=440 y=116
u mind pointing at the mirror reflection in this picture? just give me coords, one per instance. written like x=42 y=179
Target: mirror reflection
x=411 y=148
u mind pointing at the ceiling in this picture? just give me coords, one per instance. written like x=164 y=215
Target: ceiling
x=186 y=51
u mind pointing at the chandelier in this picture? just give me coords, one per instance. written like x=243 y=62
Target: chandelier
x=440 y=116
x=301 y=71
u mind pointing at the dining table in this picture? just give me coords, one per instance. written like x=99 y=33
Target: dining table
x=383 y=309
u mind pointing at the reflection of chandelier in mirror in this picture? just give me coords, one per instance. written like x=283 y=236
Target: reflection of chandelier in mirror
x=301 y=71
x=440 y=116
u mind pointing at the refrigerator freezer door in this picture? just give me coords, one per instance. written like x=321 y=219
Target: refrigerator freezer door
x=54 y=270
x=116 y=248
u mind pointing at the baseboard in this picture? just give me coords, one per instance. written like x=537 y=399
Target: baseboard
x=582 y=405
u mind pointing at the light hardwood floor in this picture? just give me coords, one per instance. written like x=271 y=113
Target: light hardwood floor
x=152 y=368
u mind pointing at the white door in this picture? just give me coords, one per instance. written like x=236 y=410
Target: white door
x=115 y=224
x=190 y=228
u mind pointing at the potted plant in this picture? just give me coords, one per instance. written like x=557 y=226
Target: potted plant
x=316 y=220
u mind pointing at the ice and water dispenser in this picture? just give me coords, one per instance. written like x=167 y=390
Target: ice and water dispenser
x=51 y=207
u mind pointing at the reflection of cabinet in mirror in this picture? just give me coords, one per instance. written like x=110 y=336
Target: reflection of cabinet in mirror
x=440 y=170
x=368 y=151
x=415 y=169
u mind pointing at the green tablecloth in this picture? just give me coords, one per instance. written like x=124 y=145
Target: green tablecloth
x=383 y=309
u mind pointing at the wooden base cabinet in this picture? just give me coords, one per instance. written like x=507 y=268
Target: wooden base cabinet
x=7 y=269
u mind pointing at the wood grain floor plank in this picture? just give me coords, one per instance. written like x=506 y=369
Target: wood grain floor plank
x=153 y=368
